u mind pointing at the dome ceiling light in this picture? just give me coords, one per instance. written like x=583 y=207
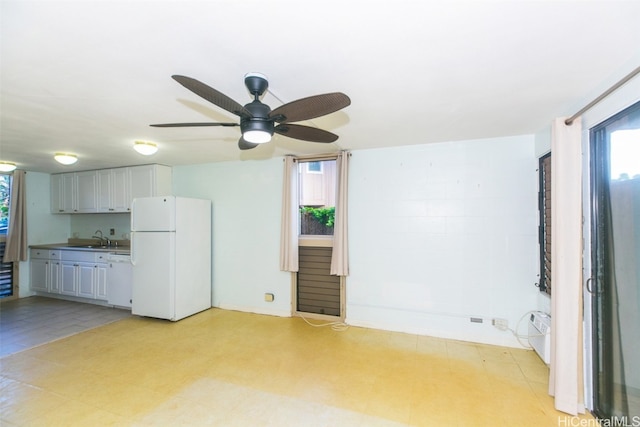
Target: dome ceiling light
x=145 y=148
x=7 y=167
x=65 y=158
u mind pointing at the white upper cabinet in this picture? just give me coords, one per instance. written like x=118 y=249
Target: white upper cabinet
x=87 y=185
x=64 y=193
x=113 y=190
x=107 y=190
x=57 y=194
x=121 y=201
x=149 y=180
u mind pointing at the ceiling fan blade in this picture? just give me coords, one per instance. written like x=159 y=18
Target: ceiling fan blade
x=311 y=107
x=182 y=125
x=212 y=95
x=245 y=145
x=305 y=133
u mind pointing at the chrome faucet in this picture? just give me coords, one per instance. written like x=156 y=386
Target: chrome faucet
x=102 y=238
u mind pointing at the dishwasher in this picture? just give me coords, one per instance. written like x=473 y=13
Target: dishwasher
x=119 y=280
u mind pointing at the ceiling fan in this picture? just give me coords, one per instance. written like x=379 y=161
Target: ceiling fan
x=258 y=122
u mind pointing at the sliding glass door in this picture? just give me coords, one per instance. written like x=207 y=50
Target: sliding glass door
x=615 y=261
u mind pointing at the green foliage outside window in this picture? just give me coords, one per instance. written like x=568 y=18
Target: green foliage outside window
x=325 y=216
x=5 y=188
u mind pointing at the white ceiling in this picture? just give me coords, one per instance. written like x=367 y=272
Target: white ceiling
x=88 y=77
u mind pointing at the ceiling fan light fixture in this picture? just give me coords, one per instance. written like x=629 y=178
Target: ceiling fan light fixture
x=259 y=129
x=258 y=122
x=145 y=148
x=7 y=167
x=65 y=158
x=257 y=136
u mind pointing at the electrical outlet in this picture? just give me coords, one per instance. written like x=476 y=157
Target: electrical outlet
x=501 y=324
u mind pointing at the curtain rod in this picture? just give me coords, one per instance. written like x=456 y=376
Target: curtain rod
x=608 y=92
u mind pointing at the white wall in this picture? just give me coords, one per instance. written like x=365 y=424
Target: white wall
x=442 y=232
x=438 y=233
x=84 y=226
x=43 y=226
x=246 y=200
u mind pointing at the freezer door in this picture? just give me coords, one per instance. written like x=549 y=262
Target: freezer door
x=153 y=214
x=153 y=259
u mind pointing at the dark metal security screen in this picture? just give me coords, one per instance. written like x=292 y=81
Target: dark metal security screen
x=6 y=275
x=544 y=206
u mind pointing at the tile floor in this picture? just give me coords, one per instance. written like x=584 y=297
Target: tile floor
x=28 y=322
x=225 y=368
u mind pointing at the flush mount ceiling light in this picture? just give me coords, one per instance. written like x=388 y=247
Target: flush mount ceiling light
x=7 y=167
x=145 y=148
x=65 y=158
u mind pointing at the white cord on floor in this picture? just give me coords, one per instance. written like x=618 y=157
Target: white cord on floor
x=336 y=326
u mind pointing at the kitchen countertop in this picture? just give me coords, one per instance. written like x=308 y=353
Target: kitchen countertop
x=122 y=250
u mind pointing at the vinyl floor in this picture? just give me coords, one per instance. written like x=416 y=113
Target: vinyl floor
x=226 y=368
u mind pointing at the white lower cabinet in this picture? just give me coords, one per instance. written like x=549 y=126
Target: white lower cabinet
x=45 y=270
x=86 y=280
x=55 y=272
x=73 y=273
x=39 y=275
x=100 y=278
x=68 y=279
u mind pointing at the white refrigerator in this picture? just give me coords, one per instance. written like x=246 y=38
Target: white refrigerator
x=171 y=256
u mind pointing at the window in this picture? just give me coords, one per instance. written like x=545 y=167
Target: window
x=314 y=167
x=625 y=153
x=317 y=196
x=6 y=269
x=614 y=282
x=544 y=236
x=5 y=188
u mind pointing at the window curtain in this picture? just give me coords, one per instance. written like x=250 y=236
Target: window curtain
x=16 y=247
x=566 y=370
x=340 y=254
x=289 y=220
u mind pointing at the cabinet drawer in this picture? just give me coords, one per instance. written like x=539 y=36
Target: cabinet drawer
x=101 y=257
x=39 y=253
x=79 y=256
x=83 y=256
x=44 y=254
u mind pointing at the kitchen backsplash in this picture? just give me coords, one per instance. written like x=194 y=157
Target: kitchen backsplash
x=84 y=226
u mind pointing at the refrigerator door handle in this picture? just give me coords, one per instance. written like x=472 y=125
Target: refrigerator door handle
x=132 y=248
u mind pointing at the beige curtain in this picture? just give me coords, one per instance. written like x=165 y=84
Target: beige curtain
x=289 y=220
x=340 y=255
x=566 y=374
x=16 y=248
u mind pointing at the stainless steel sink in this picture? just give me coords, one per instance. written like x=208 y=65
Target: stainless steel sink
x=90 y=246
